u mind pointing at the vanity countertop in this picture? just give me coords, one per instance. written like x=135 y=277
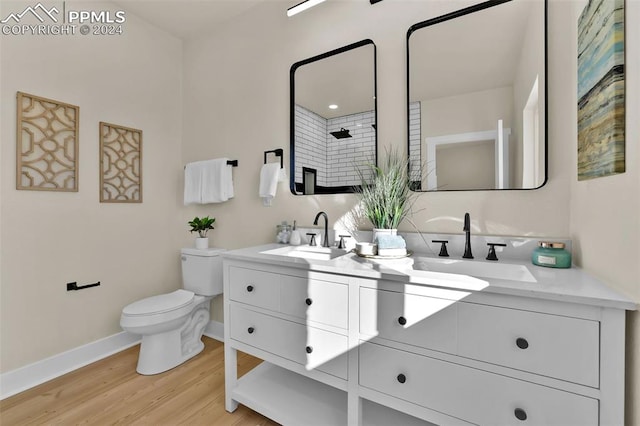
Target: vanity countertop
x=565 y=285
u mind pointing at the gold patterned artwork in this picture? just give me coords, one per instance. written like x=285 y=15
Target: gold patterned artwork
x=120 y=164
x=47 y=144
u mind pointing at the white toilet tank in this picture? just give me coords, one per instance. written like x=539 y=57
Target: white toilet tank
x=202 y=271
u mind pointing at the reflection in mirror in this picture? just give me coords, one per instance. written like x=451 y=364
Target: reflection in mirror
x=333 y=119
x=309 y=180
x=477 y=98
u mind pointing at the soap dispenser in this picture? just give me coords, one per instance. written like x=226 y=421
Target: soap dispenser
x=295 y=239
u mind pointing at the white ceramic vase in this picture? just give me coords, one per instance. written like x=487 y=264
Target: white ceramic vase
x=379 y=231
x=202 y=243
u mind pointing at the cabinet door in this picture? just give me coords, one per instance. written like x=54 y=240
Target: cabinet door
x=472 y=395
x=422 y=321
x=314 y=348
x=551 y=345
x=316 y=301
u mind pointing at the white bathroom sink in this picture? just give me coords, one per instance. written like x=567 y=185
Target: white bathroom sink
x=480 y=269
x=308 y=252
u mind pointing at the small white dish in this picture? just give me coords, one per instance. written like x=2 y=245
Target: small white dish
x=366 y=249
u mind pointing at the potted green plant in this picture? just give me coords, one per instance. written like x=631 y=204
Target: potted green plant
x=385 y=195
x=202 y=226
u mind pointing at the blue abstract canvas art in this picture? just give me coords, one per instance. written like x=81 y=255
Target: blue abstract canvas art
x=601 y=89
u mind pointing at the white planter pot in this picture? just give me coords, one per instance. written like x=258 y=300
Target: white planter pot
x=378 y=231
x=202 y=243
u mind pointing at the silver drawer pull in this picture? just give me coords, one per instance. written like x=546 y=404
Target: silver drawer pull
x=522 y=343
x=401 y=378
x=520 y=414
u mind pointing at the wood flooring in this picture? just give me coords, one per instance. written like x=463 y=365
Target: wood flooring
x=110 y=392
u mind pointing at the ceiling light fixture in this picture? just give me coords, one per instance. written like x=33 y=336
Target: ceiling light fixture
x=333 y=106
x=306 y=4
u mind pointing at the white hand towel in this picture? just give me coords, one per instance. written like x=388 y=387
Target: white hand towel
x=192 y=183
x=269 y=182
x=209 y=181
x=217 y=181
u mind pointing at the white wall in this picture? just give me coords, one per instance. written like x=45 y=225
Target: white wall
x=530 y=66
x=466 y=113
x=466 y=166
x=51 y=238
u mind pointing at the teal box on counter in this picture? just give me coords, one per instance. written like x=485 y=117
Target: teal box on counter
x=551 y=255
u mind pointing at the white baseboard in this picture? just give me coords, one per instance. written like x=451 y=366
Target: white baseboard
x=23 y=378
x=215 y=330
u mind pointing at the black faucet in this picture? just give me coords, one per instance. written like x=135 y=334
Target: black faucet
x=325 y=240
x=467 y=241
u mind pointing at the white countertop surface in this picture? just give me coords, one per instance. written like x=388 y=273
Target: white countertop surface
x=565 y=285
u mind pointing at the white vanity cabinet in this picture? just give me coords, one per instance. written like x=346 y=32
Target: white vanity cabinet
x=344 y=348
x=509 y=361
x=291 y=316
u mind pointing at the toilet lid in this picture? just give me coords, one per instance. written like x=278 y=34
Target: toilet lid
x=159 y=304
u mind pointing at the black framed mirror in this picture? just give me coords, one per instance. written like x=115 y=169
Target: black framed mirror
x=333 y=119
x=477 y=98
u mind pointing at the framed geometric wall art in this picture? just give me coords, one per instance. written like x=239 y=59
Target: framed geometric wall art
x=120 y=164
x=47 y=144
x=601 y=89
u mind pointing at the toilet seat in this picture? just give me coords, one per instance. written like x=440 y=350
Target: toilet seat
x=160 y=304
x=158 y=310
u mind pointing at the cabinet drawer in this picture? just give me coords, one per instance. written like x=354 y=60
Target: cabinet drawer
x=315 y=300
x=256 y=288
x=555 y=346
x=311 y=347
x=472 y=395
x=422 y=321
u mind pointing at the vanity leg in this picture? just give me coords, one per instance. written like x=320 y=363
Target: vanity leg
x=230 y=377
x=230 y=354
x=354 y=402
x=612 y=362
x=354 y=409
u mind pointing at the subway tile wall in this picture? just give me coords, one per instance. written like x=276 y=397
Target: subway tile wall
x=414 y=139
x=310 y=144
x=336 y=160
x=346 y=156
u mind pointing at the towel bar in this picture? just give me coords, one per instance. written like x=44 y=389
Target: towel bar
x=277 y=152
x=232 y=163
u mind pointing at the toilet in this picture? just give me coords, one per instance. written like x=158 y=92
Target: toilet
x=172 y=324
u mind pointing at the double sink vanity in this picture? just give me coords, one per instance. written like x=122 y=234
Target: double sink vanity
x=421 y=340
